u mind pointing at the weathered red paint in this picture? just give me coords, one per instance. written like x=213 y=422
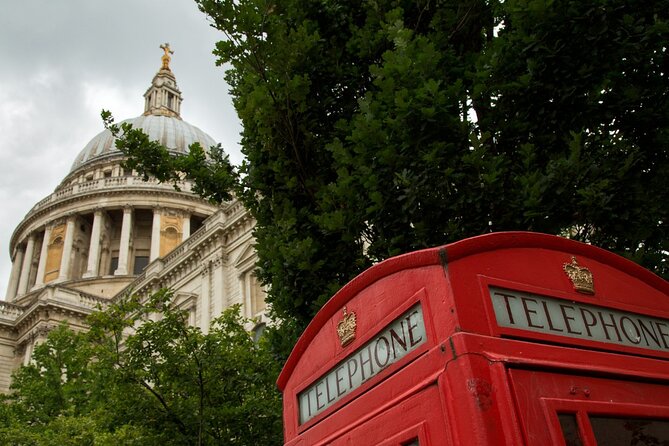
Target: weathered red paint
x=473 y=381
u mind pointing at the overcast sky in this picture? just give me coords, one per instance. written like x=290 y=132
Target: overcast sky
x=61 y=62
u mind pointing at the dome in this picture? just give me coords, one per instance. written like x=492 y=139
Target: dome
x=161 y=121
x=172 y=132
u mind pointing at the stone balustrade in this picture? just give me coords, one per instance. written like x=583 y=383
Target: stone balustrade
x=9 y=311
x=92 y=302
x=106 y=184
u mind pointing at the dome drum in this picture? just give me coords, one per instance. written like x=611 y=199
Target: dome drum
x=81 y=195
x=99 y=242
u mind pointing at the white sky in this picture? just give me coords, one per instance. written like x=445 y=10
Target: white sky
x=61 y=62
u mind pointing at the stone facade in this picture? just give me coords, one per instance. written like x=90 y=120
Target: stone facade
x=104 y=232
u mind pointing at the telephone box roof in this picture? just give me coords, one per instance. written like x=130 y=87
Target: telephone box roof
x=449 y=254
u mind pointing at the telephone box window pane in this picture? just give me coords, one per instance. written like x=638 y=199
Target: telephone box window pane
x=630 y=431
x=570 y=429
x=411 y=443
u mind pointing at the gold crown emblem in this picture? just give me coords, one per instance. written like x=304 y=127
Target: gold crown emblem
x=346 y=328
x=580 y=277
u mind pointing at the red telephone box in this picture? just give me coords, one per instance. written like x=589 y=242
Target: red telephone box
x=503 y=339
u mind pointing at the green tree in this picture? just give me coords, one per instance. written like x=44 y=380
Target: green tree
x=55 y=400
x=378 y=127
x=190 y=387
x=150 y=381
x=56 y=380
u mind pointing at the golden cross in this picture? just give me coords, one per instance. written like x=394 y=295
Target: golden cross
x=166 y=57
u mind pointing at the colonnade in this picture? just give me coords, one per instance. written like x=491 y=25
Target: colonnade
x=67 y=242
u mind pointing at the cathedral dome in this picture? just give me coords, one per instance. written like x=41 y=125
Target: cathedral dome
x=161 y=121
x=170 y=131
x=104 y=223
x=107 y=231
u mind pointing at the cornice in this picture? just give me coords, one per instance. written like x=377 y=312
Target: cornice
x=25 y=322
x=10 y=313
x=49 y=301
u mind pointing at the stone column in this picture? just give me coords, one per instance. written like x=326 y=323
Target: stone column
x=66 y=258
x=124 y=246
x=185 y=227
x=248 y=302
x=217 y=285
x=28 y=352
x=155 y=236
x=94 y=248
x=27 y=263
x=41 y=266
x=16 y=273
x=205 y=317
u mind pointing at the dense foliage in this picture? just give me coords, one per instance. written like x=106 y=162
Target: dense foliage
x=377 y=127
x=135 y=379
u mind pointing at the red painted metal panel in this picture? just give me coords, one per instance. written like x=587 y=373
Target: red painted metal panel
x=515 y=353
x=382 y=321
x=402 y=424
x=477 y=398
x=389 y=393
x=454 y=388
x=541 y=396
